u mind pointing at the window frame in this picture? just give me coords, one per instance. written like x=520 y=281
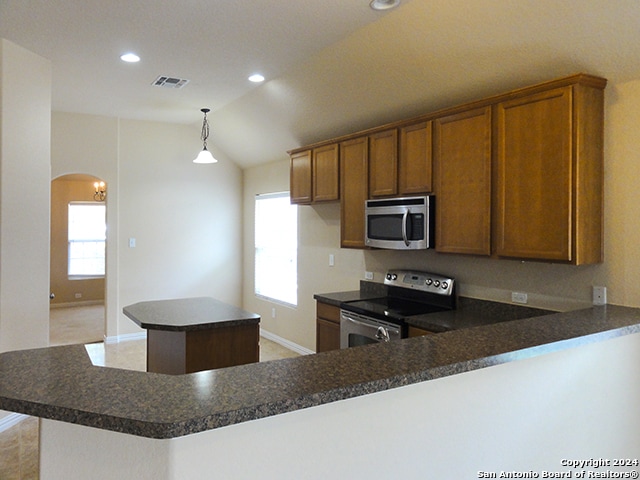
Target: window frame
x=293 y=256
x=70 y=241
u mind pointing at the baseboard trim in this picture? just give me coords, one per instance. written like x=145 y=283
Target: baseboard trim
x=285 y=343
x=84 y=303
x=11 y=420
x=127 y=337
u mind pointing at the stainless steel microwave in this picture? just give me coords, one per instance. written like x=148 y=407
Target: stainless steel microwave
x=400 y=223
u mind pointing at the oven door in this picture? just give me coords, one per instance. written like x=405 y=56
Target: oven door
x=356 y=329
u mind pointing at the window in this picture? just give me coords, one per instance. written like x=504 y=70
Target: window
x=87 y=237
x=276 y=243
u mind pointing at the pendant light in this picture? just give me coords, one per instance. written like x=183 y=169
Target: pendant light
x=384 y=4
x=205 y=155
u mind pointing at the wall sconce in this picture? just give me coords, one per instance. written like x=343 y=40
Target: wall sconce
x=205 y=155
x=101 y=191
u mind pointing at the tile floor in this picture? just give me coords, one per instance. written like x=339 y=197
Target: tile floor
x=19 y=444
x=19 y=451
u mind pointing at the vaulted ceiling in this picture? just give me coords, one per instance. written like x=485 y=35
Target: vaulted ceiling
x=332 y=67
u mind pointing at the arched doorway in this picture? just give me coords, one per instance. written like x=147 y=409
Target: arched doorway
x=78 y=250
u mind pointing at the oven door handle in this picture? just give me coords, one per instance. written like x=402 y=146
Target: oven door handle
x=381 y=332
x=357 y=322
x=404 y=227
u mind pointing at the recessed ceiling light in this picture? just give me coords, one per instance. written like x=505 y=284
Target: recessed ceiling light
x=130 y=58
x=384 y=4
x=256 y=78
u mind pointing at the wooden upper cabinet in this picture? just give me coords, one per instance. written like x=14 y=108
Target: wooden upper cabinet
x=383 y=164
x=326 y=171
x=353 y=191
x=462 y=174
x=300 y=177
x=516 y=175
x=415 y=160
x=314 y=175
x=549 y=175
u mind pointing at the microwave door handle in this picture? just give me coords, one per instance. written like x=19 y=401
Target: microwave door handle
x=404 y=227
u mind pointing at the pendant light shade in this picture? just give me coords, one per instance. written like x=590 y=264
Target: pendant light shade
x=384 y=4
x=205 y=155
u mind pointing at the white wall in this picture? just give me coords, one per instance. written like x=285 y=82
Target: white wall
x=183 y=216
x=526 y=415
x=318 y=236
x=559 y=287
x=25 y=106
x=89 y=144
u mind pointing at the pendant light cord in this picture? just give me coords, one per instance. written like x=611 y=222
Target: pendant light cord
x=205 y=128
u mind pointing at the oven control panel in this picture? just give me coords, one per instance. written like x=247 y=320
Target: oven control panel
x=427 y=282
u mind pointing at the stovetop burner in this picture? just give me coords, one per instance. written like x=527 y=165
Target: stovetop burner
x=409 y=293
x=391 y=309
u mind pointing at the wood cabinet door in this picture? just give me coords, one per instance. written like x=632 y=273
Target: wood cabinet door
x=327 y=327
x=300 y=177
x=383 y=164
x=418 y=332
x=462 y=175
x=353 y=191
x=415 y=160
x=534 y=176
x=327 y=335
x=326 y=173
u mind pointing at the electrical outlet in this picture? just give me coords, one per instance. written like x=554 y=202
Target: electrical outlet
x=368 y=275
x=273 y=312
x=78 y=295
x=599 y=295
x=517 y=297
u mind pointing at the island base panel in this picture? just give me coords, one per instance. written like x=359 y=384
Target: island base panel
x=176 y=353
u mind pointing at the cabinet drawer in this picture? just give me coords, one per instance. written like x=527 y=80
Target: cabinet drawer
x=328 y=312
x=418 y=332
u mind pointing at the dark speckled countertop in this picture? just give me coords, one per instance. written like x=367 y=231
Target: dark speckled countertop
x=469 y=312
x=183 y=314
x=61 y=383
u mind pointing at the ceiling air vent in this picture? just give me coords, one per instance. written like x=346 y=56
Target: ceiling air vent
x=170 y=82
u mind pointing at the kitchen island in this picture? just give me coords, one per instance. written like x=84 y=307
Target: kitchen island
x=459 y=385
x=188 y=335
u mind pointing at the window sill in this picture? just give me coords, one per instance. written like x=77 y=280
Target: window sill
x=84 y=277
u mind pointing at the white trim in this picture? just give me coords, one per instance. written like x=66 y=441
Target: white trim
x=83 y=303
x=282 y=194
x=285 y=343
x=11 y=420
x=127 y=337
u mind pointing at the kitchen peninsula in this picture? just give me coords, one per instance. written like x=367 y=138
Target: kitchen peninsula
x=189 y=335
x=456 y=385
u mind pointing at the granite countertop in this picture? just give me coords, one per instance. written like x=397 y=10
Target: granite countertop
x=469 y=312
x=367 y=291
x=185 y=314
x=61 y=383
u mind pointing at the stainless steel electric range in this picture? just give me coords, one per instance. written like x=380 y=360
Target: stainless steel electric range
x=383 y=319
